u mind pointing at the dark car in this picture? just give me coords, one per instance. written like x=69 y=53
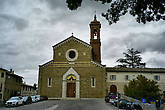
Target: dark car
x=42 y=98
x=107 y=98
x=122 y=103
x=129 y=106
x=136 y=106
x=133 y=106
x=27 y=100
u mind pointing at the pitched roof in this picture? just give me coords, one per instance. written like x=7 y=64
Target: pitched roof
x=23 y=84
x=72 y=38
x=11 y=74
x=14 y=75
x=140 y=70
x=3 y=69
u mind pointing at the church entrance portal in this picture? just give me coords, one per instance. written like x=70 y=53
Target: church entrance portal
x=71 y=89
x=71 y=84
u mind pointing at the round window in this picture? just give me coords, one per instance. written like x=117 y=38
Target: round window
x=72 y=54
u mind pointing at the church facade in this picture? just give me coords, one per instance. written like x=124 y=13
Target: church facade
x=76 y=70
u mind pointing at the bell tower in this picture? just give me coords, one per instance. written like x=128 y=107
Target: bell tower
x=95 y=39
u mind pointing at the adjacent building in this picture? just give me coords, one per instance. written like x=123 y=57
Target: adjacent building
x=27 y=90
x=10 y=84
x=76 y=70
x=116 y=78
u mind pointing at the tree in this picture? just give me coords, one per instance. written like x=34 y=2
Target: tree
x=132 y=59
x=143 y=10
x=142 y=88
x=35 y=86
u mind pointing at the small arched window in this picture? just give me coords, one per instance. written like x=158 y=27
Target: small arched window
x=95 y=34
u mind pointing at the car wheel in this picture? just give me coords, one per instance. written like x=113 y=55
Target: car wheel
x=17 y=104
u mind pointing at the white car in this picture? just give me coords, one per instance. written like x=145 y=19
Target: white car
x=34 y=99
x=112 y=101
x=38 y=97
x=14 y=101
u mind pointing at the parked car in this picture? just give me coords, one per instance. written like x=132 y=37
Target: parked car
x=34 y=99
x=136 y=106
x=133 y=106
x=123 y=103
x=27 y=100
x=14 y=101
x=112 y=101
x=107 y=98
x=38 y=98
x=116 y=101
x=42 y=98
x=129 y=106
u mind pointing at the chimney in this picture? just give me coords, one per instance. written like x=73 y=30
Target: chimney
x=11 y=71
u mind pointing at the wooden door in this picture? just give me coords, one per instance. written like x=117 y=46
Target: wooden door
x=71 y=89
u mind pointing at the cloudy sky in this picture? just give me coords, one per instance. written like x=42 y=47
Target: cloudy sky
x=29 y=29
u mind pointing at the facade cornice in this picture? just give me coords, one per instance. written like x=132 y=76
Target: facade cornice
x=72 y=38
x=97 y=64
x=140 y=70
x=47 y=63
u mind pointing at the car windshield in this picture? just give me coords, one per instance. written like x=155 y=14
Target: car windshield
x=14 y=98
x=33 y=97
x=24 y=98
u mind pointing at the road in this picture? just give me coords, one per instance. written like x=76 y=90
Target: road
x=92 y=104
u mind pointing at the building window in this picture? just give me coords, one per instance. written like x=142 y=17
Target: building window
x=106 y=75
x=112 y=77
x=49 y=82
x=71 y=55
x=93 y=82
x=157 y=77
x=2 y=75
x=1 y=87
x=126 y=77
x=0 y=96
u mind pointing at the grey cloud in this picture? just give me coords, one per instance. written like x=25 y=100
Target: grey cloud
x=144 y=42
x=2 y=3
x=18 y=23
x=113 y=50
x=157 y=63
x=53 y=4
x=37 y=11
x=147 y=41
x=8 y=49
x=60 y=12
x=5 y=3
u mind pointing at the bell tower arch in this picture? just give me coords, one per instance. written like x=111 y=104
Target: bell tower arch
x=95 y=27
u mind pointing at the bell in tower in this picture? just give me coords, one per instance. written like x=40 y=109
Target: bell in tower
x=95 y=39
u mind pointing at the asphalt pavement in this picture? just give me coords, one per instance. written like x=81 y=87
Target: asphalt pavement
x=83 y=104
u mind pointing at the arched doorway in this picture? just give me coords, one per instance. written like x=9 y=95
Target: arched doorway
x=71 y=84
x=113 y=89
